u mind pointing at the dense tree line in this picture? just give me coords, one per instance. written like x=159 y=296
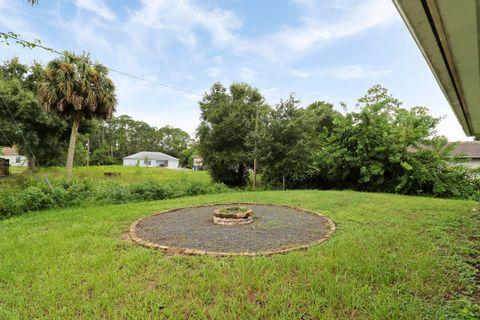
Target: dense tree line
x=378 y=146
x=121 y=136
x=47 y=134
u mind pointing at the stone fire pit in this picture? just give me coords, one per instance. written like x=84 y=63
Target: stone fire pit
x=232 y=215
x=275 y=229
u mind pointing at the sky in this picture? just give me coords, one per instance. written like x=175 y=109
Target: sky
x=330 y=50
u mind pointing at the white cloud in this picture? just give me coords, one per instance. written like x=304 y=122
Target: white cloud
x=183 y=18
x=158 y=23
x=352 y=72
x=316 y=31
x=345 y=72
x=98 y=7
x=300 y=73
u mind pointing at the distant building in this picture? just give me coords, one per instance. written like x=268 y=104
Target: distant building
x=470 y=151
x=14 y=157
x=197 y=163
x=151 y=159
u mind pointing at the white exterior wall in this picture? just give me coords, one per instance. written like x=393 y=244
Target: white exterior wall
x=171 y=164
x=129 y=162
x=472 y=163
x=16 y=160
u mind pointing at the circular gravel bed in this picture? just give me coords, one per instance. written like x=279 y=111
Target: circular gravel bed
x=275 y=229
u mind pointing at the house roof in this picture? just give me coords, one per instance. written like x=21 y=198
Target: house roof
x=6 y=151
x=468 y=149
x=447 y=33
x=150 y=156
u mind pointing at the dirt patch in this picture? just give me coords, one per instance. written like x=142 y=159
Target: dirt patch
x=275 y=229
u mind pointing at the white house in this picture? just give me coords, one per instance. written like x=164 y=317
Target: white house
x=151 y=159
x=14 y=157
x=470 y=151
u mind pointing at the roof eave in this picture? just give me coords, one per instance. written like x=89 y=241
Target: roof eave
x=425 y=25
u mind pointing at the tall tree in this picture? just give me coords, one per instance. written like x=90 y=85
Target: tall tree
x=384 y=147
x=76 y=87
x=38 y=135
x=173 y=140
x=284 y=144
x=227 y=120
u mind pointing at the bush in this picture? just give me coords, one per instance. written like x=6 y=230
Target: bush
x=151 y=191
x=34 y=199
x=113 y=193
x=79 y=192
x=8 y=205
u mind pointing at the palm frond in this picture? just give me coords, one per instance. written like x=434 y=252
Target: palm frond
x=73 y=83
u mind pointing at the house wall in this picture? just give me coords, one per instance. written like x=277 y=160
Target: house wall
x=171 y=164
x=473 y=163
x=15 y=160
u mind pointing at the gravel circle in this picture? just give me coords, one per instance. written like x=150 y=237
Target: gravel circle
x=275 y=229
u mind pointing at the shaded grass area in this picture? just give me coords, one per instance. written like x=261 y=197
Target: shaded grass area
x=392 y=257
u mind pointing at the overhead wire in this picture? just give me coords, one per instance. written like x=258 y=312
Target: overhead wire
x=38 y=44
x=21 y=132
x=6 y=138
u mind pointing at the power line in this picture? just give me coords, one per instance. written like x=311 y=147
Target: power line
x=21 y=133
x=37 y=43
x=154 y=82
x=6 y=138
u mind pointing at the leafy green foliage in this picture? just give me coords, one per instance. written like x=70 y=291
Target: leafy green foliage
x=384 y=147
x=23 y=123
x=122 y=136
x=186 y=156
x=85 y=192
x=379 y=147
x=227 y=121
x=75 y=87
x=283 y=143
x=102 y=156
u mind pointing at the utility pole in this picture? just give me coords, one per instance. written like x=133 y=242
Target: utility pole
x=255 y=159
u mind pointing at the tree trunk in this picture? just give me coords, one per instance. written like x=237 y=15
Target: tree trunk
x=31 y=162
x=283 y=182
x=241 y=168
x=77 y=116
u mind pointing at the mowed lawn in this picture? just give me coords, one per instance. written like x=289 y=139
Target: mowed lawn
x=391 y=257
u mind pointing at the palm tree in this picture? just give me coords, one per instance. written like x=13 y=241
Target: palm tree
x=75 y=88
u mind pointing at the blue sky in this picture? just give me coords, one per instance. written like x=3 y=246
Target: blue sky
x=320 y=50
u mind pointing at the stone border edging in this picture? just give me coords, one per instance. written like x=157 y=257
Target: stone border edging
x=186 y=251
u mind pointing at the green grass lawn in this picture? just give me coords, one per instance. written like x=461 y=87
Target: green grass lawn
x=391 y=257
x=127 y=174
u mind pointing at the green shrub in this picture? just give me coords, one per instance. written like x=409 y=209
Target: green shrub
x=217 y=188
x=8 y=206
x=151 y=191
x=34 y=199
x=113 y=193
x=61 y=194
x=195 y=189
